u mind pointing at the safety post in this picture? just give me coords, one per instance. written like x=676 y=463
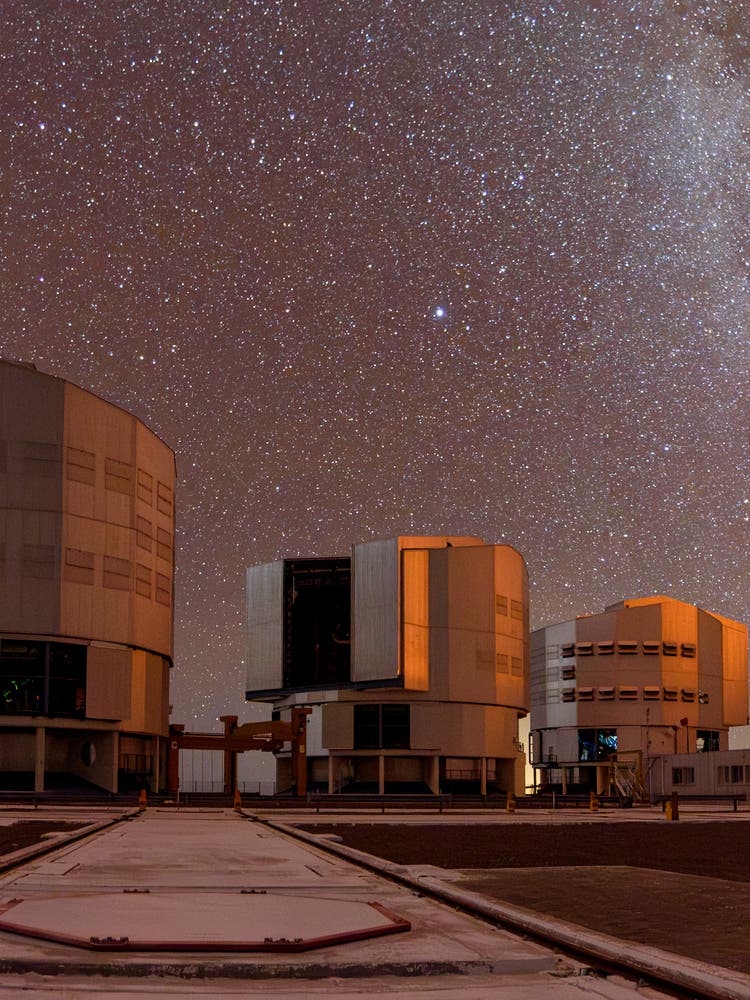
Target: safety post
x=237 y=801
x=593 y=802
x=673 y=808
x=142 y=800
x=510 y=803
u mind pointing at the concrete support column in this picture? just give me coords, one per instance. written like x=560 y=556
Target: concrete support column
x=482 y=775
x=433 y=779
x=39 y=758
x=115 y=762
x=564 y=780
x=331 y=788
x=602 y=780
x=381 y=774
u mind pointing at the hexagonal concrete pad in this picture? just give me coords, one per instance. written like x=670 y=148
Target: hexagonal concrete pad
x=197 y=921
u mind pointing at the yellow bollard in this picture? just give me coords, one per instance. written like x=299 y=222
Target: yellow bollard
x=510 y=803
x=142 y=800
x=593 y=802
x=237 y=801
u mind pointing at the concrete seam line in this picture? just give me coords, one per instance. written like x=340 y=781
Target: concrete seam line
x=712 y=981
x=25 y=854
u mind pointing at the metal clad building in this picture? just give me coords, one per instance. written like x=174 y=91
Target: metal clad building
x=438 y=674
x=86 y=585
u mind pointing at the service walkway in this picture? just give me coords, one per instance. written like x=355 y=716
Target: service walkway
x=214 y=879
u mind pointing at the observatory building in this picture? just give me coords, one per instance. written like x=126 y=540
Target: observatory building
x=412 y=654
x=86 y=581
x=647 y=677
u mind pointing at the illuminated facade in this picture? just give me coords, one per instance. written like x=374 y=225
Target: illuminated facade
x=412 y=654
x=86 y=581
x=649 y=676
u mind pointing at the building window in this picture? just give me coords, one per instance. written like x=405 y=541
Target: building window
x=383 y=727
x=118 y=476
x=567 y=649
x=596 y=744
x=683 y=775
x=116 y=573
x=669 y=648
x=145 y=487
x=164 y=499
x=81 y=466
x=143 y=533
x=584 y=649
x=142 y=580
x=688 y=649
x=516 y=610
x=501 y=604
x=707 y=741
x=163 y=545
x=42 y=678
x=79 y=566
x=651 y=648
x=605 y=648
x=163 y=590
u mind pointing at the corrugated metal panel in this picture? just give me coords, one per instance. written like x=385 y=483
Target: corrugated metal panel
x=375 y=613
x=265 y=637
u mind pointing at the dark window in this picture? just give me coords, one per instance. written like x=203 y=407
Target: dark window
x=67 y=679
x=683 y=776
x=366 y=727
x=596 y=744
x=22 y=677
x=381 y=727
x=42 y=678
x=395 y=726
x=707 y=740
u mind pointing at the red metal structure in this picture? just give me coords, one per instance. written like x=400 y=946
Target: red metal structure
x=237 y=739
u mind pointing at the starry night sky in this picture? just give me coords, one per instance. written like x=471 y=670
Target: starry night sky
x=397 y=267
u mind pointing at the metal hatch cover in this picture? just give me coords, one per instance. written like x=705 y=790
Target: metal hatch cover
x=201 y=921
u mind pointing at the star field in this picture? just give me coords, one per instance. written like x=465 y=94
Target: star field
x=375 y=268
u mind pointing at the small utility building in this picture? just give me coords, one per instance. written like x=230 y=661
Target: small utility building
x=412 y=654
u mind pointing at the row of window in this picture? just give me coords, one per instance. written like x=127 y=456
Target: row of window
x=118 y=574
x=42 y=459
x=727 y=774
x=625 y=692
x=734 y=774
x=625 y=647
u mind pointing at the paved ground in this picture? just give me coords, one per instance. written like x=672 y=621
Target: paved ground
x=683 y=887
x=196 y=859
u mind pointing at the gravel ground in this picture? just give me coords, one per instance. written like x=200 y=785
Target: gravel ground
x=681 y=887
x=23 y=833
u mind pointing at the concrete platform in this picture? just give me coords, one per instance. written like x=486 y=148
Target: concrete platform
x=199 y=863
